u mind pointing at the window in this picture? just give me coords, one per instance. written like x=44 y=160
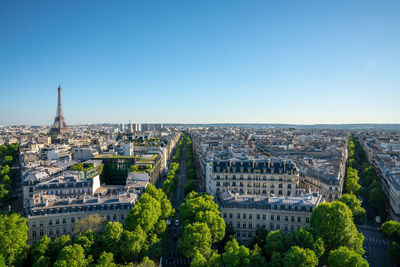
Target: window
x=286 y=218
x=250 y=225
x=114 y=216
x=230 y=215
x=244 y=225
x=33 y=234
x=72 y=220
x=57 y=221
x=272 y=217
x=41 y=232
x=258 y=216
x=292 y=218
x=50 y=232
x=298 y=219
x=286 y=227
x=57 y=231
x=238 y=215
x=264 y=217
x=278 y=217
x=50 y=222
x=238 y=225
x=33 y=224
x=225 y=215
x=238 y=234
x=250 y=216
x=289 y=186
x=278 y=226
x=244 y=234
x=41 y=223
x=271 y=227
x=218 y=184
x=122 y=216
x=307 y=219
x=64 y=230
x=108 y=217
x=280 y=192
x=244 y=215
x=64 y=220
x=280 y=186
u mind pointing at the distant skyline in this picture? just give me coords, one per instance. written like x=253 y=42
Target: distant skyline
x=225 y=61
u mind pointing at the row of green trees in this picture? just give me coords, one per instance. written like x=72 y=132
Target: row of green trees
x=93 y=243
x=191 y=184
x=353 y=187
x=171 y=182
x=370 y=182
x=8 y=155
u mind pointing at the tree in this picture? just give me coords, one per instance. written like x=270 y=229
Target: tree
x=359 y=213
x=394 y=251
x=333 y=223
x=391 y=230
x=195 y=203
x=40 y=248
x=352 y=186
x=198 y=260
x=256 y=258
x=55 y=246
x=106 y=260
x=13 y=237
x=195 y=237
x=377 y=199
x=275 y=242
x=42 y=261
x=259 y=237
x=145 y=213
x=304 y=238
x=166 y=208
x=132 y=244
x=8 y=160
x=72 y=255
x=300 y=257
x=93 y=222
x=344 y=256
x=190 y=186
x=111 y=236
x=86 y=241
x=235 y=255
x=276 y=260
x=214 y=222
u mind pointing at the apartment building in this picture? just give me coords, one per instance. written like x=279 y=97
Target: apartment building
x=254 y=175
x=54 y=216
x=247 y=213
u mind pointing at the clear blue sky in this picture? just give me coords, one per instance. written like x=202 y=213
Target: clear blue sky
x=200 y=61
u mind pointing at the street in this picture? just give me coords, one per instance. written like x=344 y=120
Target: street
x=171 y=255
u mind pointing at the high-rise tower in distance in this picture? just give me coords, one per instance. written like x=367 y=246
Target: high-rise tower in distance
x=59 y=126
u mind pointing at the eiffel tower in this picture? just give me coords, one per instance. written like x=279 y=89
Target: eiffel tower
x=59 y=126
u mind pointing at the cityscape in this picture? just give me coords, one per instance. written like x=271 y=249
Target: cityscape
x=113 y=174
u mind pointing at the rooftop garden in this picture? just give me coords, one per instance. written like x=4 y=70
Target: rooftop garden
x=82 y=167
x=115 y=156
x=141 y=169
